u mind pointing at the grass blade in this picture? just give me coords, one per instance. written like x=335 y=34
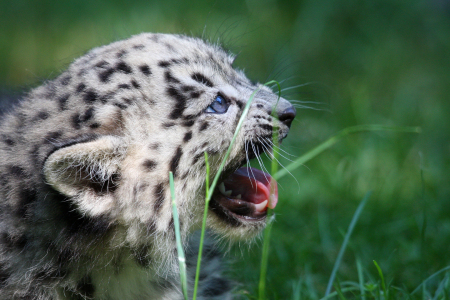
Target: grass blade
x=429 y=278
x=268 y=229
x=383 y=284
x=202 y=236
x=181 y=257
x=346 y=239
x=336 y=138
x=361 y=279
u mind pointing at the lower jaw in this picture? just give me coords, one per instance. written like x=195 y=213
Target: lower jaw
x=232 y=218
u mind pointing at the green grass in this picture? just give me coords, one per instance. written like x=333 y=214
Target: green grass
x=362 y=62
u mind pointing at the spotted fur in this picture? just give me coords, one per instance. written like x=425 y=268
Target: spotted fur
x=85 y=159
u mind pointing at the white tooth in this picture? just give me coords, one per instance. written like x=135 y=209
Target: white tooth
x=261 y=206
x=239 y=196
x=228 y=193
x=222 y=188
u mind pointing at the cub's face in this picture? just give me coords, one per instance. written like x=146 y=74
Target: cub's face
x=170 y=100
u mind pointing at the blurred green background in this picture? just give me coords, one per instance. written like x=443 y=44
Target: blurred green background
x=354 y=62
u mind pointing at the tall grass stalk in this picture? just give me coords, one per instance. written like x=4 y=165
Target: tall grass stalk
x=345 y=243
x=202 y=236
x=180 y=251
x=211 y=188
x=268 y=229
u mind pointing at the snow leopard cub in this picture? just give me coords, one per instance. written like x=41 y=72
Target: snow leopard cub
x=85 y=208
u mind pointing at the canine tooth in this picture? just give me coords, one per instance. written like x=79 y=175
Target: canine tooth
x=239 y=196
x=222 y=188
x=228 y=193
x=261 y=206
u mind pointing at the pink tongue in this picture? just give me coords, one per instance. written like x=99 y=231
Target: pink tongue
x=253 y=185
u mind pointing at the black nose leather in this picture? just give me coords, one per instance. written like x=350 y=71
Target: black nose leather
x=287 y=116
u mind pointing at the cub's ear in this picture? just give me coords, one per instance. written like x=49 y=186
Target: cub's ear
x=88 y=172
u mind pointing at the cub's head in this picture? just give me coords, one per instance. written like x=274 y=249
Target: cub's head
x=156 y=104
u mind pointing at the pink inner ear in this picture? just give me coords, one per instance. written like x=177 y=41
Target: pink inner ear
x=253 y=185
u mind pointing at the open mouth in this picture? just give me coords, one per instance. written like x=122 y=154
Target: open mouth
x=245 y=195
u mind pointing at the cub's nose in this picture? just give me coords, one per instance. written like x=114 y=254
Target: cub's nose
x=287 y=115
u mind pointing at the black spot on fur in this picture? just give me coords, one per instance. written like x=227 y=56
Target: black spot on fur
x=120 y=105
x=17 y=171
x=164 y=64
x=259 y=105
x=86 y=288
x=63 y=101
x=202 y=79
x=180 y=105
x=42 y=115
x=106 y=97
x=183 y=177
x=187 y=88
x=168 y=124
x=169 y=77
x=80 y=87
x=52 y=136
x=66 y=80
x=105 y=75
x=88 y=114
x=90 y=96
x=196 y=94
x=102 y=64
x=149 y=165
x=197 y=157
x=187 y=136
x=25 y=197
x=190 y=117
x=204 y=126
x=170 y=47
x=240 y=104
x=216 y=287
x=123 y=86
x=139 y=47
x=266 y=127
x=94 y=125
x=8 y=140
x=155 y=146
x=76 y=122
x=145 y=69
x=175 y=161
x=123 y=67
x=121 y=53
x=135 y=84
x=159 y=197
x=188 y=123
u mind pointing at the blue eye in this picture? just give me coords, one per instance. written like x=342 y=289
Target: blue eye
x=219 y=106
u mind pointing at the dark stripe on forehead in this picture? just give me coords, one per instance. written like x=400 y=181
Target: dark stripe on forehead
x=200 y=78
x=180 y=106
